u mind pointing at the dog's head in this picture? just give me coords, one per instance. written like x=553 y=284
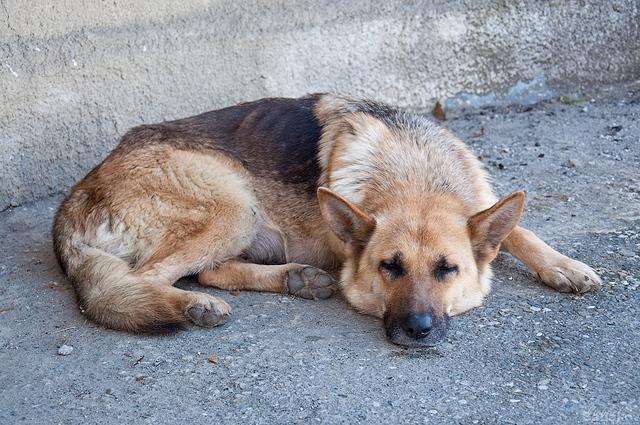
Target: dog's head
x=417 y=263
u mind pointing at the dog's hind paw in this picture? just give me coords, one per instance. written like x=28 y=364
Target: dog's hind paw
x=207 y=311
x=567 y=275
x=310 y=283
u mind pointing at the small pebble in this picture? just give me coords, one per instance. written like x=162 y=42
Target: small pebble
x=65 y=350
x=571 y=163
x=542 y=385
x=613 y=129
x=627 y=252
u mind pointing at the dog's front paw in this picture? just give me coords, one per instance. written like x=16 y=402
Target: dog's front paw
x=567 y=275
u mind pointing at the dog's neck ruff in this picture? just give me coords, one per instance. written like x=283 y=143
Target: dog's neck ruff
x=373 y=152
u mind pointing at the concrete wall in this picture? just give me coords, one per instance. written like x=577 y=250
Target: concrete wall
x=76 y=74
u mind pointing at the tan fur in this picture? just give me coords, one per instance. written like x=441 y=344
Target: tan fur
x=160 y=207
x=140 y=222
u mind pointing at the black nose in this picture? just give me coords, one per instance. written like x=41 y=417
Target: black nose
x=417 y=325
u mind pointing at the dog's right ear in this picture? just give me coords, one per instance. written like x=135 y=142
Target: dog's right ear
x=490 y=227
x=348 y=222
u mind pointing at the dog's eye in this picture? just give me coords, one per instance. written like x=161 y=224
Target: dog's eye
x=392 y=267
x=444 y=269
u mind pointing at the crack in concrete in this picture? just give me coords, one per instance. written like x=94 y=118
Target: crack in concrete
x=8 y=19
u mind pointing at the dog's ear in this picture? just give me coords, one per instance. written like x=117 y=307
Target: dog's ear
x=490 y=227
x=348 y=222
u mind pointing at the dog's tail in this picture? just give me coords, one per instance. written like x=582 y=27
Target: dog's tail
x=109 y=293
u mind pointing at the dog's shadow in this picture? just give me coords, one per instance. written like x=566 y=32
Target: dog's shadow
x=511 y=275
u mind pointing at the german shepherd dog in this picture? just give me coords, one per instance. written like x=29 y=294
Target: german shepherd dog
x=296 y=196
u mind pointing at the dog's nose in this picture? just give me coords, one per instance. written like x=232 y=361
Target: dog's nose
x=418 y=326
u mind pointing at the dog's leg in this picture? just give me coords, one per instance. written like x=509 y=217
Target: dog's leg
x=199 y=308
x=192 y=254
x=295 y=279
x=552 y=268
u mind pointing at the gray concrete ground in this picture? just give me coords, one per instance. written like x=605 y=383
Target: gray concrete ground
x=530 y=355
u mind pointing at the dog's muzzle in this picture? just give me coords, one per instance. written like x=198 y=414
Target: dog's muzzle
x=415 y=329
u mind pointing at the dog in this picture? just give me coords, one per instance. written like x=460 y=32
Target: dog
x=299 y=196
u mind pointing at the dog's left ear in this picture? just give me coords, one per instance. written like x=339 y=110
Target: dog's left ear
x=348 y=222
x=490 y=227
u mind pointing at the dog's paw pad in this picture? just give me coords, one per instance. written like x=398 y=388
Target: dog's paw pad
x=310 y=283
x=570 y=276
x=208 y=312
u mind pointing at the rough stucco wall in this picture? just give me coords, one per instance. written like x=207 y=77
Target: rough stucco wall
x=74 y=75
